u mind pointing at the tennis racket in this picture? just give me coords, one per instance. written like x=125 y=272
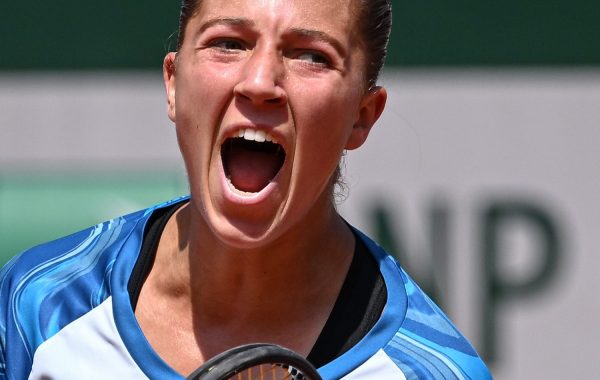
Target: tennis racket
x=257 y=361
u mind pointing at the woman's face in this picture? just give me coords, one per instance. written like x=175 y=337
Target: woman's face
x=266 y=94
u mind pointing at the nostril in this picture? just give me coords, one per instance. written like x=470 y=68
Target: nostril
x=243 y=96
x=275 y=101
x=272 y=95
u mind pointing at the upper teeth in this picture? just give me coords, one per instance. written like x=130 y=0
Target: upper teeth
x=256 y=135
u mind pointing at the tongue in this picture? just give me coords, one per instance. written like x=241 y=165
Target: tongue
x=250 y=170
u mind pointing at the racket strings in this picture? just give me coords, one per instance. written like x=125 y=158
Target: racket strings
x=270 y=372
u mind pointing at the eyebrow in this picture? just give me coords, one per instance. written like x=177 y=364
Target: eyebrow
x=235 y=21
x=301 y=32
x=320 y=36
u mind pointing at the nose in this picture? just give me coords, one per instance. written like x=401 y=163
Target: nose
x=261 y=79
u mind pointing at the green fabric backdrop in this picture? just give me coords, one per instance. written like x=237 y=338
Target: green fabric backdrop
x=112 y=34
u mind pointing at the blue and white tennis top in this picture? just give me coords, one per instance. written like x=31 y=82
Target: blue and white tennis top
x=65 y=313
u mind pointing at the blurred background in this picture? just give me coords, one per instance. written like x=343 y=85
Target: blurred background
x=482 y=176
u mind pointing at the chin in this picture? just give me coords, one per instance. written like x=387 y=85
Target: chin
x=244 y=235
x=238 y=226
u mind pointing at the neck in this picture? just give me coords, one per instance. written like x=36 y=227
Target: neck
x=268 y=288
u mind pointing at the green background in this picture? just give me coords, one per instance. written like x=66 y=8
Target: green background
x=111 y=34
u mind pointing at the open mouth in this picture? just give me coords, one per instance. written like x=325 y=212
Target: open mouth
x=252 y=160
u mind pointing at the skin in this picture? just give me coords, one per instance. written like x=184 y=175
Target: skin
x=227 y=263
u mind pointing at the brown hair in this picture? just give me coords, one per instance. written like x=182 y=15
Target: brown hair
x=374 y=20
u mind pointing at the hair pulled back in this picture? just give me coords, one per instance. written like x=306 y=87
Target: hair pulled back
x=374 y=19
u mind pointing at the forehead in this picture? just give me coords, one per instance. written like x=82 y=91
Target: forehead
x=331 y=16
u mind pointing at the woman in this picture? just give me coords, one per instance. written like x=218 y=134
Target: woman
x=265 y=96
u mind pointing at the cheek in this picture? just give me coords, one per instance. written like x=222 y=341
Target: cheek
x=198 y=92
x=197 y=110
x=325 y=117
x=201 y=96
x=323 y=125
x=203 y=82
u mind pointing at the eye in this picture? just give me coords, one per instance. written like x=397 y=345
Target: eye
x=314 y=58
x=228 y=45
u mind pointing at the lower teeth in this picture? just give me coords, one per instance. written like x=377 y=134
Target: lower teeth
x=238 y=191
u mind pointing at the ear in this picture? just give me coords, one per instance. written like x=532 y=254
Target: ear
x=371 y=107
x=169 y=79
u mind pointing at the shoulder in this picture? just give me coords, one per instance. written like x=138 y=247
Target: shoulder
x=428 y=345
x=75 y=254
x=48 y=286
x=413 y=338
